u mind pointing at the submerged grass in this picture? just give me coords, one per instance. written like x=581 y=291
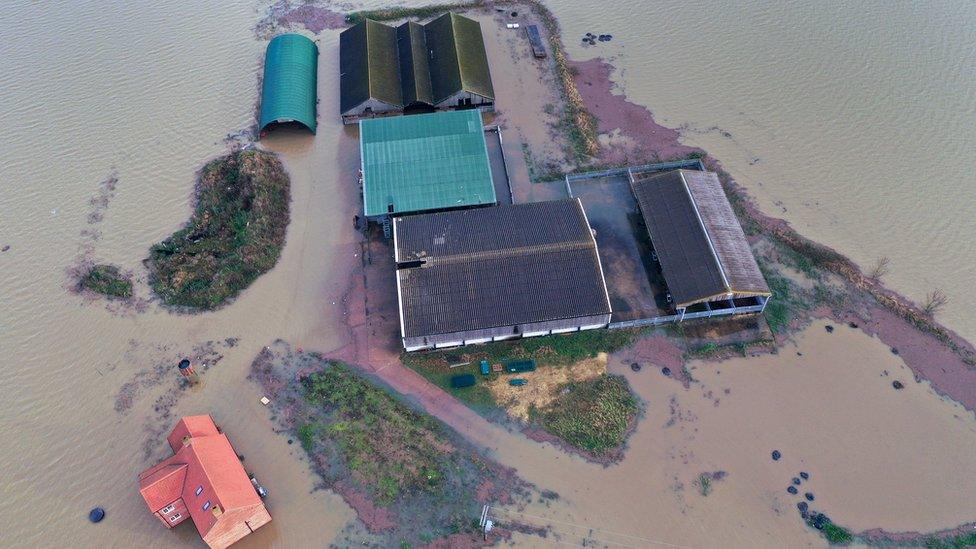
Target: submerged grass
x=401 y=12
x=107 y=280
x=594 y=415
x=235 y=234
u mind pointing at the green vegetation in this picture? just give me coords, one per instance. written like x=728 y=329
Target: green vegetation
x=553 y=350
x=704 y=484
x=837 y=535
x=235 y=234
x=392 y=448
x=107 y=280
x=954 y=542
x=788 y=300
x=593 y=415
x=400 y=12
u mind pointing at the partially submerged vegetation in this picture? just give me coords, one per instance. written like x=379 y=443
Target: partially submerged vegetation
x=107 y=280
x=401 y=12
x=594 y=415
x=235 y=234
x=408 y=476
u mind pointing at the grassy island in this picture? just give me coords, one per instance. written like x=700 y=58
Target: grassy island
x=107 y=280
x=235 y=235
x=405 y=473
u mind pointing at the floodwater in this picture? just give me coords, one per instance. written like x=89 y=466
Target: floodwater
x=851 y=120
x=147 y=91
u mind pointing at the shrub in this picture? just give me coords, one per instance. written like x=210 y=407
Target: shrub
x=107 y=280
x=234 y=236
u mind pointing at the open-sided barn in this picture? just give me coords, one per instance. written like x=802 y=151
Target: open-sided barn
x=705 y=258
x=488 y=274
x=389 y=70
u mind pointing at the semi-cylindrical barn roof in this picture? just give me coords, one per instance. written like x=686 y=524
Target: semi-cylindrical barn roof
x=288 y=93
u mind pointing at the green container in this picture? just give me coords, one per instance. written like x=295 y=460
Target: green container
x=518 y=366
x=462 y=381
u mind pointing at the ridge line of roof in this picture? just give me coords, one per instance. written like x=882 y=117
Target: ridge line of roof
x=509 y=252
x=708 y=237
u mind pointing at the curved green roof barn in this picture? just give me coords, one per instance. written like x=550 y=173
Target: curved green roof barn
x=288 y=93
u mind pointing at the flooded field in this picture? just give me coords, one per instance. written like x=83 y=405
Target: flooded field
x=145 y=93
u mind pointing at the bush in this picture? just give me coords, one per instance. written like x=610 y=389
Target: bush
x=235 y=235
x=107 y=280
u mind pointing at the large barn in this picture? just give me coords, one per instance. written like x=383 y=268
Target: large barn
x=386 y=70
x=706 y=261
x=489 y=274
x=425 y=162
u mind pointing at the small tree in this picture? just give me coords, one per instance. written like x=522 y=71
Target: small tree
x=935 y=301
x=880 y=267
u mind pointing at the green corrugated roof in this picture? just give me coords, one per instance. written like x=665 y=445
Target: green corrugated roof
x=425 y=162
x=289 y=89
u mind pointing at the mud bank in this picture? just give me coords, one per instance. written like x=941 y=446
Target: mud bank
x=931 y=350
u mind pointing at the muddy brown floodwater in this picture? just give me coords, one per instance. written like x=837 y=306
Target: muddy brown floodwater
x=143 y=94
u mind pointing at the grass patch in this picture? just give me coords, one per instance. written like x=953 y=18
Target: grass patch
x=107 y=280
x=394 y=449
x=234 y=236
x=593 y=415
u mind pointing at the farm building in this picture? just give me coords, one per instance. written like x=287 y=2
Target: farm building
x=706 y=261
x=425 y=162
x=387 y=70
x=288 y=91
x=488 y=274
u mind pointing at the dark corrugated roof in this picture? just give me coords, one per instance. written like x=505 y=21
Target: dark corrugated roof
x=498 y=266
x=699 y=242
x=368 y=65
x=353 y=67
x=288 y=91
x=414 y=69
x=412 y=63
x=472 y=57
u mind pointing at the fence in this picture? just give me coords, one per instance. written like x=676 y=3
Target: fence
x=665 y=319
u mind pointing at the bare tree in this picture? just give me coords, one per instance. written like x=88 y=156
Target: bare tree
x=934 y=301
x=880 y=267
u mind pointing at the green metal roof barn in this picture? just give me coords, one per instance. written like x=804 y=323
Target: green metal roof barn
x=288 y=92
x=424 y=162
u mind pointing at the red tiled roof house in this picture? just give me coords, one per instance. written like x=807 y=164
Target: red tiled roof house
x=203 y=480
